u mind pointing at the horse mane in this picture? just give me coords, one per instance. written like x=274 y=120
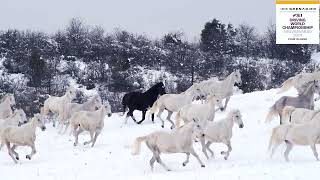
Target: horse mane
x=154 y=87
x=4 y=98
x=308 y=86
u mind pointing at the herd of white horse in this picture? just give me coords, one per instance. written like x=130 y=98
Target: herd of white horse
x=299 y=123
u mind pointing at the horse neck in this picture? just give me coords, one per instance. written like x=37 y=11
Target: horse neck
x=31 y=125
x=229 y=81
x=309 y=93
x=229 y=121
x=102 y=112
x=186 y=130
x=190 y=95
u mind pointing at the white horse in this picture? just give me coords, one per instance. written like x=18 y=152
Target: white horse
x=24 y=135
x=203 y=112
x=174 y=102
x=221 y=132
x=91 y=105
x=306 y=134
x=179 y=140
x=5 y=105
x=298 y=115
x=58 y=104
x=222 y=89
x=17 y=118
x=299 y=81
x=88 y=121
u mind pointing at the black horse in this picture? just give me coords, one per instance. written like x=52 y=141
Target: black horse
x=142 y=101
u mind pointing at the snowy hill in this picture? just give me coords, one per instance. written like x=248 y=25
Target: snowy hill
x=111 y=157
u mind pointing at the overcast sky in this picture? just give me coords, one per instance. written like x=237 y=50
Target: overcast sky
x=151 y=17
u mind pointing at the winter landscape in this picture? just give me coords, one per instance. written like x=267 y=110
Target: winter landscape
x=89 y=60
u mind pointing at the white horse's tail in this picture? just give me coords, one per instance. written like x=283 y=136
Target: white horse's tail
x=278 y=135
x=285 y=86
x=271 y=114
x=154 y=108
x=178 y=119
x=136 y=148
x=287 y=111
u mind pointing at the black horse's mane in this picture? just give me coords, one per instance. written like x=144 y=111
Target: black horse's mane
x=153 y=88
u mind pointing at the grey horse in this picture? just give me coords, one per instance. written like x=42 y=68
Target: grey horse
x=303 y=100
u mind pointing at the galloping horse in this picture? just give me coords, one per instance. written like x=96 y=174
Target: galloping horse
x=141 y=101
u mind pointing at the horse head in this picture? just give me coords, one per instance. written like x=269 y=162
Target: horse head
x=161 y=89
x=108 y=108
x=237 y=77
x=237 y=117
x=72 y=92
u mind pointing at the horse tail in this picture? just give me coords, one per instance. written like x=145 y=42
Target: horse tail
x=271 y=114
x=287 y=112
x=136 y=148
x=154 y=107
x=278 y=135
x=178 y=118
x=285 y=86
x=272 y=138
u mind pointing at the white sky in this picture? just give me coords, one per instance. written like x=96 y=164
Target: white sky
x=151 y=17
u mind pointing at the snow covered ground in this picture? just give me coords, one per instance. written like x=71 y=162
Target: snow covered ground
x=111 y=157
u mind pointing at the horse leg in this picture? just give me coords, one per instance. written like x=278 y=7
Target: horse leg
x=226 y=153
x=130 y=113
x=169 y=119
x=158 y=159
x=80 y=130
x=161 y=109
x=14 y=152
x=274 y=148
x=196 y=156
x=187 y=160
x=152 y=117
x=95 y=137
x=33 y=151
x=280 y=115
x=91 y=138
x=314 y=150
x=152 y=160
x=10 y=152
x=204 y=150
x=208 y=147
x=143 y=117
x=226 y=103
x=66 y=127
x=287 y=151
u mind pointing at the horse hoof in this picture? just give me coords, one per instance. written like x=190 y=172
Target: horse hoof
x=162 y=126
x=169 y=170
x=74 y=144
x=203 y=166
x=28 y=157
x=17 y=158
x=225 y=158
x=183 y=164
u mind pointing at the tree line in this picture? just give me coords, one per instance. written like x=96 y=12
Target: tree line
x=109 y=61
